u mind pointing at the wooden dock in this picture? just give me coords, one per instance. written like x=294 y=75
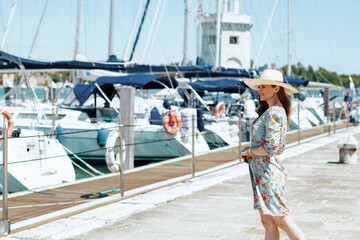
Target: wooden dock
x=66 y=200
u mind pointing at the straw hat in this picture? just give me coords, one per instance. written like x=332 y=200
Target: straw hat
x=270 y=77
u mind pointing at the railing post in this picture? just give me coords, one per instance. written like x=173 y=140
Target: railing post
x=329 y=124
x=5 y=223
x=334 y=117
x=298 y=115
x=193 y=146
x=247 y=129
x=120 y=148
x=240 y=134
x=347 y=117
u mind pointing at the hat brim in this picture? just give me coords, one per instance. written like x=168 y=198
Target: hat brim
x=255 y=83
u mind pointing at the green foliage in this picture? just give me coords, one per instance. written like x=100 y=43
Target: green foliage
x=322 y=75
x=264 y=67
x=59 y=76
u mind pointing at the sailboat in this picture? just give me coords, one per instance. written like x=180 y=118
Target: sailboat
x=34 y=160
x=152 y=140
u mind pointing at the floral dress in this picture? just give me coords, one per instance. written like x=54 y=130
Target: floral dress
x=267 y=174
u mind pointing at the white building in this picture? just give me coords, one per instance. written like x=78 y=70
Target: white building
x=234 y=38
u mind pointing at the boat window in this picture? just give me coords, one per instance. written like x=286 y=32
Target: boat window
x=83 y=117
x=49 y=116
x=28 y=115
x=139 y=115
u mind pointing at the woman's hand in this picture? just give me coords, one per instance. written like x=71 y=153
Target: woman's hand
x=245 y=152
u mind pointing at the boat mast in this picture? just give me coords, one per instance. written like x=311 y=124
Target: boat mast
x=8 y=24
x=218 y=32
x=156 y=30
x=78 y=27
x=132 y=29
x=38 y=30
x=151 y=31
x=288 y=72
x=265 y=33
x=199 y=11
x=111 y=28
x=186 y=32
x=139 y=30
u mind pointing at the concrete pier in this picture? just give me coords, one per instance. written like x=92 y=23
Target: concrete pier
x=323 y=197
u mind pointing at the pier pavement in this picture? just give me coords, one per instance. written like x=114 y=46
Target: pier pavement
x=323 y=197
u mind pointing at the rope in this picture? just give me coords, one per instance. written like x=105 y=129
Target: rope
x=84 y=131
x=178 y=164
x=219 y=140
x=85 y=163
x=68 y=191
x=100 y=149
x=77 y=165
x=50 y=193
x=156 y=140
x=208 y=140
x=100 y=194
x=138 y=143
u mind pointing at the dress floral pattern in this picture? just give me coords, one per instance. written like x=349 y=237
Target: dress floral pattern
x=267 y=174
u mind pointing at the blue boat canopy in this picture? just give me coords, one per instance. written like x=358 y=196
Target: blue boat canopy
x=221 y=72
x=139 y=68
x=221 y=85
x=296 y=81
x=140 y=81
x=201 y=69
x=12 y=62
x=143 y=81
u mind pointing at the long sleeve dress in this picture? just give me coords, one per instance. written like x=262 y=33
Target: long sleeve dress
x=267 y=174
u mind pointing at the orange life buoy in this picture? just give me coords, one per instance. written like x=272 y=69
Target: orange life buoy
x=219 y=109
x=172 y=122
x=10 y=121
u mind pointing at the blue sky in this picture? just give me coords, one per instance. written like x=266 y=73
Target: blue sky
x=325 y=32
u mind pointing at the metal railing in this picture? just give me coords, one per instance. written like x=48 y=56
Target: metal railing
x=5 y=224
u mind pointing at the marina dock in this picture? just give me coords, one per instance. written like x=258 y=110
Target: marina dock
x=28 y=210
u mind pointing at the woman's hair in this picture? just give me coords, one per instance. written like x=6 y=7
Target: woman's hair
x=283 y=98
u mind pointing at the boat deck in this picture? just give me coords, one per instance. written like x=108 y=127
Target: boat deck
x=30 y=209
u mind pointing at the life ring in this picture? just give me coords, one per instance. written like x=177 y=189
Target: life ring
x=10 y=121
x=172 y=122
x=112 y=161
x=219 y=109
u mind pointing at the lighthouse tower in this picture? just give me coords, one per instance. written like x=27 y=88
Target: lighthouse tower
x=234 y=50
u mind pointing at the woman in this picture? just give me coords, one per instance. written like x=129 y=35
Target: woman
x=268 y=137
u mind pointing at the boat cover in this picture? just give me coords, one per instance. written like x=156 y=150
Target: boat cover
x=11 y=62
x=140 y=81
x=221 y=85
x=143 y=81
x=222 y=72
x=296 y=81
x=165 y=69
